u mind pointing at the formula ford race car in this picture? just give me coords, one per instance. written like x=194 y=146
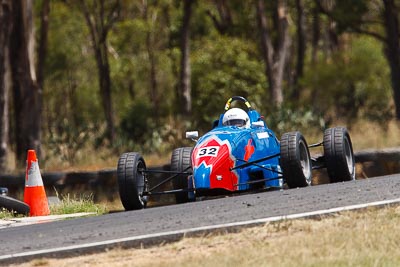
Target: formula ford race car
x=239 y=154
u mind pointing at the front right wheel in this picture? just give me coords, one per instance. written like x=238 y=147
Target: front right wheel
x=295 y=160
x=338 y=154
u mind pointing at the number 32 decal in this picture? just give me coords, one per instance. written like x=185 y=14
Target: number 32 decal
x=209 y=151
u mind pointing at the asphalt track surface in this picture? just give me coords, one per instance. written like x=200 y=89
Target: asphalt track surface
x=134 y=228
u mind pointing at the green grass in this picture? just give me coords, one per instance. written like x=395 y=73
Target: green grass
x=77 y=204
x=67 y=205
x=5 y=214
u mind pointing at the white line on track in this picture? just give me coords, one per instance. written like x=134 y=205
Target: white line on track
x=13 y=222
x=200 y=229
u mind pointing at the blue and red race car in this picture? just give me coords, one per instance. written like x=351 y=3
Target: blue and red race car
x=239 y=154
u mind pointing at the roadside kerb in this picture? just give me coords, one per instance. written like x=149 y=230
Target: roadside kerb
x=13 y=222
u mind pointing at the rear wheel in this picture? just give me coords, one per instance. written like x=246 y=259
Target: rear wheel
x=132 y=181
x=295 y=160
x=338 y=154
x=181 y=162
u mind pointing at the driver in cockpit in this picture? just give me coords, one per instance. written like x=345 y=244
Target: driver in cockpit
x=236 y=117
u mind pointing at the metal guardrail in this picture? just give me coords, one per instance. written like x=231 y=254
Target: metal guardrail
x=382 y=162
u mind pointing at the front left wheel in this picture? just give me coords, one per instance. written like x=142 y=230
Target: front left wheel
x=132 y=181
x=295 y=160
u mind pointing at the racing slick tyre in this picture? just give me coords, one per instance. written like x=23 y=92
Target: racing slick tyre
x=14 y=205
x=132 y=181
x=181 y=162
x=295 y=160
x=338 y=154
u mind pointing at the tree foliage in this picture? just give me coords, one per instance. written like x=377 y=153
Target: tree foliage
x=341 y=73
x=236 y=71
x=360 y=86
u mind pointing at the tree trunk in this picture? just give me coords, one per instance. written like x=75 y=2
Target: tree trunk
x=332 y=38
x=301 y=47
x=27 y=97
x=224 y=22
x=274 y=57
x=5 y=26
x=185 y=87
x=153 y=78
x=42 y=46
x=393 y=49
x=316 y=35
x=154 y=97
x=105 y=87
x=99 y=24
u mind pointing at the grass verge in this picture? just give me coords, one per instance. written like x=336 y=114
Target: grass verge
x=76 y=204
x=67 y=205
x=5 y=214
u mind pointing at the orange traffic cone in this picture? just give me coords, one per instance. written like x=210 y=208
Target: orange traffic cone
x=35 y=195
